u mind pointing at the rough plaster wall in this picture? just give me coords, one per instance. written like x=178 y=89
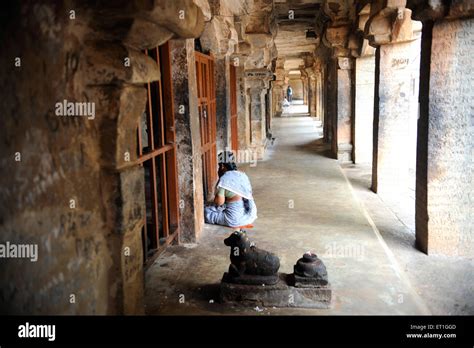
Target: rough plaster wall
x=364 y=113
x=450 y=139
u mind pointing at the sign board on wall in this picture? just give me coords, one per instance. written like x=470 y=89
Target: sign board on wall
x=258 y=73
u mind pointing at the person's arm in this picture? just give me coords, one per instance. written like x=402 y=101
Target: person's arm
x=220 y=196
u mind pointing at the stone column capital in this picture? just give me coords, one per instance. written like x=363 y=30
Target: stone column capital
x=391 y=25
x=336 y=36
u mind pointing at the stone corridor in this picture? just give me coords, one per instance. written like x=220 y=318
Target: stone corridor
x=304 y=203
x=115 y=115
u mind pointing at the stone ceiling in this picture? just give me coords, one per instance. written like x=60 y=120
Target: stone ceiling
x=292 y=40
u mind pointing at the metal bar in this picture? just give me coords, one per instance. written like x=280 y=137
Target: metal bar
x=162 y=248
x=154 y=201
x=170 y=136
x=150 y=119
x=154 y=153
x=164 y=197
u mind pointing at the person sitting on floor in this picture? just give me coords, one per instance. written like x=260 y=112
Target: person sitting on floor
x=233 y=204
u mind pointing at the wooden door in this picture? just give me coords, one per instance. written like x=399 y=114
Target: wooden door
x=157 y=154
x=207 y=120
x=233 y=110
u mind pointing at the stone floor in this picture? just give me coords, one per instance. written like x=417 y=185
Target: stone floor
x=296 y=109
x=445 y=283
x=305 y=202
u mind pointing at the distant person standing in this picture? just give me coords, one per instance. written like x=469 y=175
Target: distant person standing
x=289 y=93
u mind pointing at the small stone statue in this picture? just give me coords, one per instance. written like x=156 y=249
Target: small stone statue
x=249 y=264
x=310 y=271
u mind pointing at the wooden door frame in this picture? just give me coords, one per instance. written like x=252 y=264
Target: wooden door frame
x=160 y=157
x=207 y=120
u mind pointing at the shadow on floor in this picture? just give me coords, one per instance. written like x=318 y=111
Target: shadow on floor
x=318 y=147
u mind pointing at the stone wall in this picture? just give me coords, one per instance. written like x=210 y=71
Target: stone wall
x=69 y=184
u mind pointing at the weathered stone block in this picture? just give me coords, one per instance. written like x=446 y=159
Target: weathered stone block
x=279 y=295
x=109 y=63
x=132 y=271
x=145 y=34
x=118 y=111
x=306 y=282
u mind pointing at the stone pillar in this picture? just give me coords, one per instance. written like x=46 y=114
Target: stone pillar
x=330 y=85
x=256 y=95
x=395 y=101
x=340 y=82
x=269 y=110
x=445 y=133
x=320 y=110
x=344 y=109
x=277 y=98
x=364 y=108
x=242 y=110
x=188 y=139
x=397 y=106
x=312 y=95
x=222 y=80
x=77 y=191
x=304 y=80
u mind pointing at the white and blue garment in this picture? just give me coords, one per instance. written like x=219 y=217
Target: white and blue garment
x=238 y=213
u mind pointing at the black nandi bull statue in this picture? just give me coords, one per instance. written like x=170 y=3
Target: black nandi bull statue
x=249 y=264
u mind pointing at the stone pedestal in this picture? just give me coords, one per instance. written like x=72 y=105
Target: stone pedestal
x=279 y=295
